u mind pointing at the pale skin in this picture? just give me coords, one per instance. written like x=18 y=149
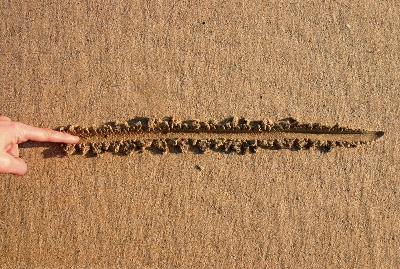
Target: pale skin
x=13 y=133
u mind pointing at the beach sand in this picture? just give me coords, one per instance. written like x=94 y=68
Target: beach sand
x=94 y=62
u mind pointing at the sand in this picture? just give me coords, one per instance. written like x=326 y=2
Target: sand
x=96 y=62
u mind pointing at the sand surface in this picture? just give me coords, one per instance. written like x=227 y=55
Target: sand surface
x=94 y=62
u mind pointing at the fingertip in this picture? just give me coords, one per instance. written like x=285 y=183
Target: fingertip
x=72 y=139
x=63 y=137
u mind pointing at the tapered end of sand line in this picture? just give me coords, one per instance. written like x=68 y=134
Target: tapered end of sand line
x=230 y=135
x=379 y=134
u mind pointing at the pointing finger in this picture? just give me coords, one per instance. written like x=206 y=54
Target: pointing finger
x=46 y=135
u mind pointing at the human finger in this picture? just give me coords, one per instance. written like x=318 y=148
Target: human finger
x=4 y=118
x=46 y=135
x=9 y=164
x=14 y=151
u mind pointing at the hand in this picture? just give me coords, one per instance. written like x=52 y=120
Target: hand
x=14 y=133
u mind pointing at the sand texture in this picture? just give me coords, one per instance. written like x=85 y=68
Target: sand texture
x=315 y=186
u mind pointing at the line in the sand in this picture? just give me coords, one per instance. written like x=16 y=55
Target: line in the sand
x=365 y=136
x=230 y=135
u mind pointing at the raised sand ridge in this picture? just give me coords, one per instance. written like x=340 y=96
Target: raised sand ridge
x=230 y=135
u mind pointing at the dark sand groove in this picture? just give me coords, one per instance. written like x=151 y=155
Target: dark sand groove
x=231 y=135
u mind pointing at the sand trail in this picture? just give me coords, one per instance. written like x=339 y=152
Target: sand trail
x=230 y=135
